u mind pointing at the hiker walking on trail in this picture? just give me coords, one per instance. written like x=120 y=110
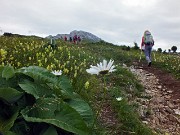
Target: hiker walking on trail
x=147 y=44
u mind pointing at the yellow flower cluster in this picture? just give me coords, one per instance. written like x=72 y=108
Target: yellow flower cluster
x=71 y=60
x=86 y=85
x=3 y=54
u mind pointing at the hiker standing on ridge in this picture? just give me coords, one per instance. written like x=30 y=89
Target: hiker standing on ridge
x=78 y=40
x=75 y=39
x=147 y=43
x=65 y=38
x=70 y=39
x=52 y=42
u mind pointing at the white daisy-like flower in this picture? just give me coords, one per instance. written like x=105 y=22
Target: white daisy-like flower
x=119 y=98
x=57 y=72
x=102 y=68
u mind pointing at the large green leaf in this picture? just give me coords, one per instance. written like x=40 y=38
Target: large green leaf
x=9 y=133
x=8 y=72
x=6 y=124
x=83 y=109
x=43 y=76
x=39 y=74
x=65 y=84
x=12 y=82
x=50 y=131
x=10 y=95
x=37 y=90
x=1 y=70
x=58 y=113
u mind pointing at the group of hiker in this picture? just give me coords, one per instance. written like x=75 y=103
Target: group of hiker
x=146 y=44
x=75 y=39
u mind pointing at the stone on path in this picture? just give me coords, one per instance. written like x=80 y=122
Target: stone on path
x=165 y=112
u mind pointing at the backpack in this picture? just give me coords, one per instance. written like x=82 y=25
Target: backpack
x=52 y=41
x=148 y=39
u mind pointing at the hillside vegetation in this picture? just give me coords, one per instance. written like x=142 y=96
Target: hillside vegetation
x=35 y=101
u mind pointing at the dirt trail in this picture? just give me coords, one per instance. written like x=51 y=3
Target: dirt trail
x=160 y=103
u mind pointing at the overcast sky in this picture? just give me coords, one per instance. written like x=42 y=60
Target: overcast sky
x=116 y=21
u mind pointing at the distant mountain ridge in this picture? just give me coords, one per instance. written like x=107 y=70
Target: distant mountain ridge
x=83 y=35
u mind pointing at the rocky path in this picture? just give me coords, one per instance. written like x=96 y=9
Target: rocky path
x=160 y=103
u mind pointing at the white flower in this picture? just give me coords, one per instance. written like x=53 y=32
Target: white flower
x=102 y=68
x=57 y=72
x=119 y=98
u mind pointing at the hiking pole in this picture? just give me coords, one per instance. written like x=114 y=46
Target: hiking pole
x=142 y=50
x=140 y=56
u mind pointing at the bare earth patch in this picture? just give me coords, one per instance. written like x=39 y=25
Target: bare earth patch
x=160 y=103
x=167 y=80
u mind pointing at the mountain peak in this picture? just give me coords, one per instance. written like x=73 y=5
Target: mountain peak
x=84 y=36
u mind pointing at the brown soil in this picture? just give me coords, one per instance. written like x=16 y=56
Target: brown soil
x=164 y=104
x=166 y=79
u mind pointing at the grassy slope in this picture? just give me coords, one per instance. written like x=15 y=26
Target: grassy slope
x=119 y=83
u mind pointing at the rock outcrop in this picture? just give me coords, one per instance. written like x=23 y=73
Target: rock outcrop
x=84 y=36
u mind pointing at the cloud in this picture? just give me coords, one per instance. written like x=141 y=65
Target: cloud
x=114 y=21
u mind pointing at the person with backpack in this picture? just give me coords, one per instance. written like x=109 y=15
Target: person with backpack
x=75 y=39
x=78 y=40
x=147 y=44
x=70 y=39
x=53 y=43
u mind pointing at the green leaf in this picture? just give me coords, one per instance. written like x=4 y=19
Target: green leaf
x=12 y=82
x=10 y=95
x=6 y=124
x=37 y=90
x=9 y=133
x=58 y=113
x=43 y=76
x=65 y=84
x=8 y=72
x=39 y=74
x=50 y=131
x=83 y=109
x=1 y=70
